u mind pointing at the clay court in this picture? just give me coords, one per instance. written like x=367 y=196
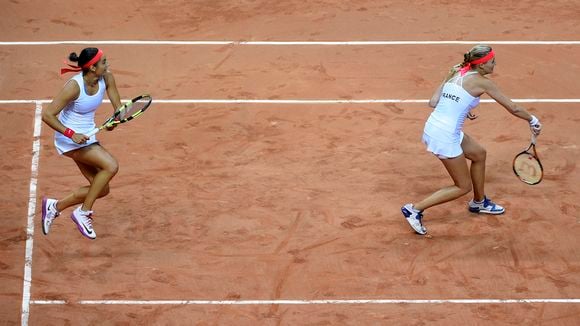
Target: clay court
x=264 y=185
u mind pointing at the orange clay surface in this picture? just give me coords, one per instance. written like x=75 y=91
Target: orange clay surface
x=272 y=201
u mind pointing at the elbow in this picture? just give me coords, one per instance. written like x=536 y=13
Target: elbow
x=432 y=104
x=46 y=116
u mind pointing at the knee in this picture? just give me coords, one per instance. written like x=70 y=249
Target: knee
x=480 y=155
x=465 y=187
x=111 y=167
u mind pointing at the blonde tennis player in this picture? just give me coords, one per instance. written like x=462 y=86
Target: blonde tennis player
x=443 y=135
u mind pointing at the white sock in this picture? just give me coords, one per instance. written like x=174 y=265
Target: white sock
x=479 y=202
x=414 y=209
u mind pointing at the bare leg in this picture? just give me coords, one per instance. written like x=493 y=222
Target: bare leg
x=78 y=196
x=104 y=168
x=457 y=168
x=477 y=154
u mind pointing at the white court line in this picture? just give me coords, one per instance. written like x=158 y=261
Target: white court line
x=288 y=43
x=309 y=101
x=303 y=302
x=31 y=214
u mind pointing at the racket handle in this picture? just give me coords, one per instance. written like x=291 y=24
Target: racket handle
x=93 y=132
x=534 y=139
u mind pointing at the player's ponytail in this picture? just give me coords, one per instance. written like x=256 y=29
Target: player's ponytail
x=477 y=52
x=84 y=61
x=73 y=57
x=86 y=55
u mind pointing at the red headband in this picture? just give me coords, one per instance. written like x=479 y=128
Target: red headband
x=485 y=59
x=72 y=68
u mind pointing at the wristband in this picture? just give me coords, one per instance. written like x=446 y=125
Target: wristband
x=68 y=132
x=534 y=121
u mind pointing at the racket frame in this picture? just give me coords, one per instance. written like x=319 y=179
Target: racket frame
x=114 y=119
x=534 y=154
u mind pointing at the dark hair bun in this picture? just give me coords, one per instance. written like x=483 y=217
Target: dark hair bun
x=73 y=57
x=466 y=57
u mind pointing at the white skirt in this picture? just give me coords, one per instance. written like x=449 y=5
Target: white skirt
x=64 y=144
x=443 y=149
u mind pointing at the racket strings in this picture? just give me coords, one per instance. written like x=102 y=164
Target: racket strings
x=133 y=108
x=528 y=168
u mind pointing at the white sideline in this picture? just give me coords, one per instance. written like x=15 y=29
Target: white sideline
x=27 y=280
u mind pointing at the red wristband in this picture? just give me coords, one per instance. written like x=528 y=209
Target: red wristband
x=69 y=132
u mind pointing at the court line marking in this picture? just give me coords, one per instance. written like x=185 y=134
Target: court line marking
x=26 y=301
x=27 y=280
x=286 y=43
x=308 y=101
x=302 y=302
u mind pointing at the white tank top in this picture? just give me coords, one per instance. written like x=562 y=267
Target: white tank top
x=79 y=115
x=452 y=109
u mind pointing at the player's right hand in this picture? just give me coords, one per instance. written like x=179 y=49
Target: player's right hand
x=536 y=129
x=535 y=126
x=79 y=138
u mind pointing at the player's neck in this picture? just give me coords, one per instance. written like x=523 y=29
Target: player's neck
x=91 y=79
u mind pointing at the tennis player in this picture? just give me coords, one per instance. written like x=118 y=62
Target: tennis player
x=443 y=135
x=71 y=114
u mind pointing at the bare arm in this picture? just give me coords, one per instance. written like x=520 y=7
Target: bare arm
x=493 y=91
x=112 y=91
x=68 y=94
x=436 y=96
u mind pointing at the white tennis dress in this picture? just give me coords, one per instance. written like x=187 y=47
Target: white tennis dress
x=443 y=130
x=79 y=115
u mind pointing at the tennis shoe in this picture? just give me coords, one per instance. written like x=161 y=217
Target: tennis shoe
x=49 y=213
x=84 y=222
x=486 y=206
x=414 y=217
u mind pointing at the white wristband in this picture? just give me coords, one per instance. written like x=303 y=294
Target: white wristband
x=534 y=121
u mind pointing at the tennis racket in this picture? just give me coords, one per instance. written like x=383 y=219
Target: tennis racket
x=125 y=113
x=527 y=165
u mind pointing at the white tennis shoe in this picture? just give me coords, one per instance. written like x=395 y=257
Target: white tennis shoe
x=49 y=213
x=414 y=217
x=486 y=206
x=84 y=222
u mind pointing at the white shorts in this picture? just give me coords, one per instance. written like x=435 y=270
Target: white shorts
x=443 y=149
x=64 y=144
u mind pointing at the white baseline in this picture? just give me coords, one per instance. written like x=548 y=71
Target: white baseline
x=308 y=101
x=287 y=43
x=304 y=302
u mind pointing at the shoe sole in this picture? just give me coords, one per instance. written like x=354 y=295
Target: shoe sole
x=416 y=231
x=478 y=211
x=80 y=227
x=44 y=215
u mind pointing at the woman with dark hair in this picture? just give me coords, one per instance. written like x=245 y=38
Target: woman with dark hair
x=71 y=114
x=443 y=135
